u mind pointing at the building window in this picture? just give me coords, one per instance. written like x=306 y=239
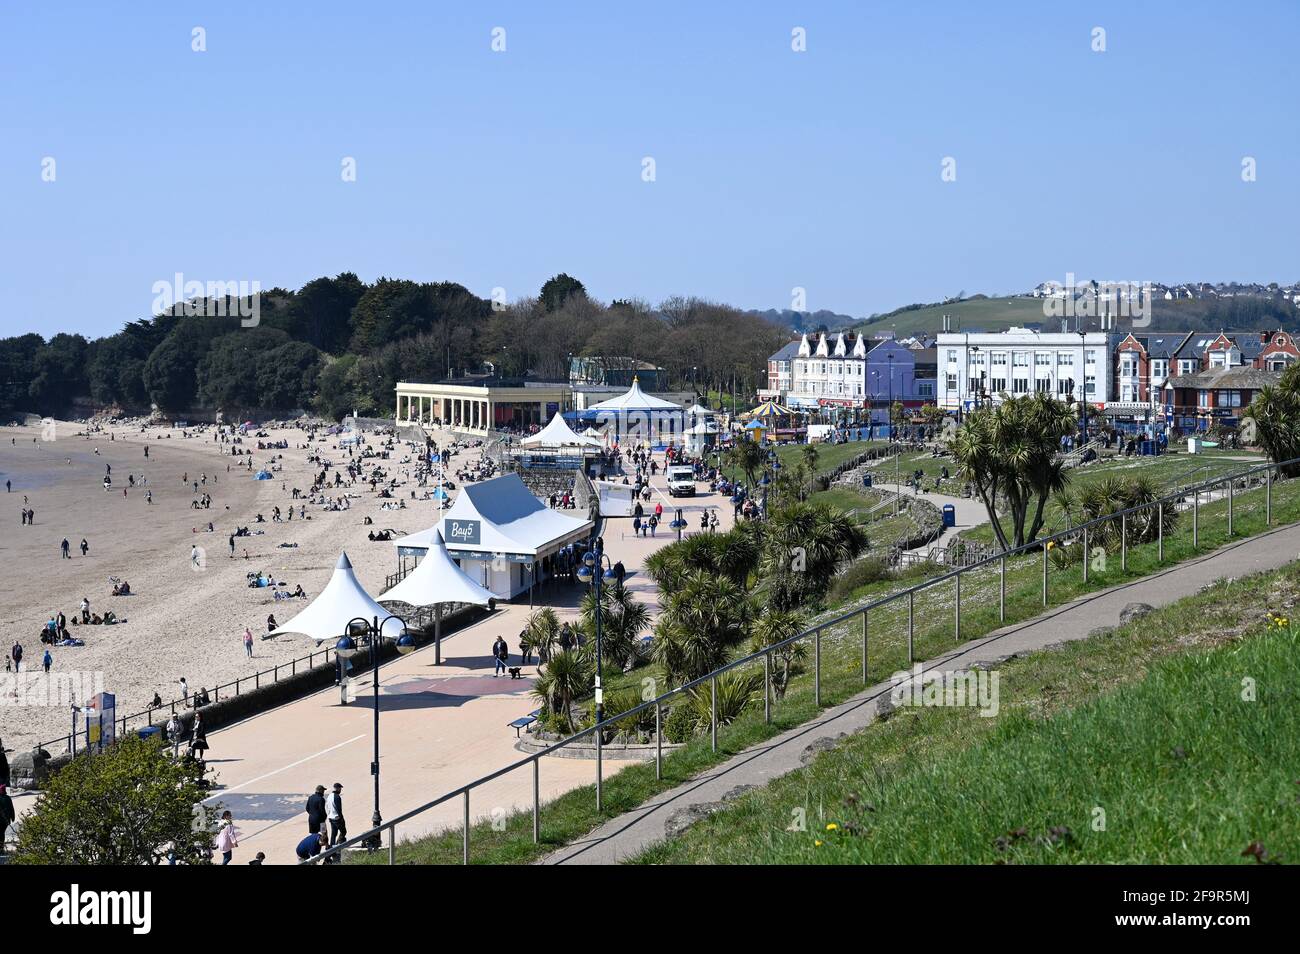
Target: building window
x=1089 y=384
x=1229 y=399
x=952 y=356
x=1159 y=369
x=1043 y=359
x=1043 y=386
x=1021 y=385
x=1021 y=359
x=952 y=382
x=999 y=359
x=999 y=385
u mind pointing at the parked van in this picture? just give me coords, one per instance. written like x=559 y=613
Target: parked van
x=681 y=481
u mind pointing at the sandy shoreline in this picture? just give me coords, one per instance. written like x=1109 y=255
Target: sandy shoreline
x=181 y=621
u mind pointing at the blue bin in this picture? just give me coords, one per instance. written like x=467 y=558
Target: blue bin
x=866 y=480
x=949 y=515
x=149 y=732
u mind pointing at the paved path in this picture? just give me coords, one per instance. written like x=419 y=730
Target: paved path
x=625 y=836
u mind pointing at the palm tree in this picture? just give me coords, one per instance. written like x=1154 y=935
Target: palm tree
x=1275 y=413
x=736 y=691
x=746 y=456
x=542 y=632
x=701 y=621
x=567 y=676
x=1011 y=455
x=771 y=628
x=806 y=543
x=622 y=620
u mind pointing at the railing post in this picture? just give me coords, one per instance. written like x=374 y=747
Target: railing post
x=1268 y=497
x=600 y=799
x=1085 y=556
x=1045 y=542
x=465 y=845
x=659 y=741
x=1229 y=507
x=864 y=647
x=956 y=608
x=1002 y=588
x=767 y=687
x=911 y=625
x=392 y=845
x=537 y=792
x=1123 y=541
x=713 y=712
x=1196 y=515
x=1160 y=531
x=817 y=669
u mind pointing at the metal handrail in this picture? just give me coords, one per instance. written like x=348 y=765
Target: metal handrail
x=374 y=835
x=421 y=618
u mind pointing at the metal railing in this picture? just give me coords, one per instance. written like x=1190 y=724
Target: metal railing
x=420 y=618
x=859 y=613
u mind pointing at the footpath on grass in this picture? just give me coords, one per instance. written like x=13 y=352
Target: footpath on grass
x=639 y=828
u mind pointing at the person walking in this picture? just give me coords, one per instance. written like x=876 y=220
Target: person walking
x=185 y=690
x=47 y=661
x=227 y=838
x=248 y=642
x=500 y=655
x=334 y=813
x=85 y=610
x=316 y=814
x=198 y=739
x=17 y=654
x=7 y=815
x=173 y=730
x=64 y=548
x=85 y=547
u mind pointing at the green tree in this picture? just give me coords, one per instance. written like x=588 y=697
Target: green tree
x=806 y=544
x=132 y=804
x=566 y=677
x=771 y=628
x=622 y=620
x=560 y=289
x=701 y=621
x=747 y=456
x=1011 y=455
x=1275 y=413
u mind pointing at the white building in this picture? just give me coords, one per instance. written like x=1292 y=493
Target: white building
x=832 y=371
x=1018 y=361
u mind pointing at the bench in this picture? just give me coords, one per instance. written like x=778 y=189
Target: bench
x=523 y=722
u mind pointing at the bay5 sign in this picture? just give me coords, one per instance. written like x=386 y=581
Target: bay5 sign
x=463 y=531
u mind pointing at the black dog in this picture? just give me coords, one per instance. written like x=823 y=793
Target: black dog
x=514 y=672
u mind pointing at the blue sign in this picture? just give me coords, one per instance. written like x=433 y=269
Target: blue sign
x=463 y=532
x=552 y=408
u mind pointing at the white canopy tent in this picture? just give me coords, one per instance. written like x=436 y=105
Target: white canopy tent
x=437 y=579
x=558 y=434
x=342 y=600
x=639 y=416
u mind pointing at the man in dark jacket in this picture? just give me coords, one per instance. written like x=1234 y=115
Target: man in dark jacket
x=316 y=811
x=7 y=816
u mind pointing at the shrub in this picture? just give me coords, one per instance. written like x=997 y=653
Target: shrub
x=679 y=727
x=857 y=575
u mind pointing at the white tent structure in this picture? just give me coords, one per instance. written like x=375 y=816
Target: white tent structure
x=342 y=600
x=507 y=532
x=558 y=434
x=641 y=417
x=437 y=579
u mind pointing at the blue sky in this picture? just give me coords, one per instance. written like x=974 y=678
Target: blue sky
x=774 y=169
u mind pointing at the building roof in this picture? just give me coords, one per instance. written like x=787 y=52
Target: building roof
x=635 y=400
x=505 y=517
x=1240 y=377
x=790 y=350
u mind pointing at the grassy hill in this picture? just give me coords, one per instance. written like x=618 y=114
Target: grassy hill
x=997 y=314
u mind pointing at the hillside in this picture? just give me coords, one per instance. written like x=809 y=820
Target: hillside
x=996 y=314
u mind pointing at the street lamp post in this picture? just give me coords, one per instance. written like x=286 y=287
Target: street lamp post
x=591 y=572
x=371 y=632
x=1083 y=385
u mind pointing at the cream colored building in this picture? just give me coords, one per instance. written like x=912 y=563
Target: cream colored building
x=479 y=406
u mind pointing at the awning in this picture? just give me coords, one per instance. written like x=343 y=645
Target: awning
x=558 y=434
x=437 y=579
x=342 y=600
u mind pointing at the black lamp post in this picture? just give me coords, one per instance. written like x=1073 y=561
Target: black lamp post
x=359 y=631
x=590 y=572
x=1083 y=385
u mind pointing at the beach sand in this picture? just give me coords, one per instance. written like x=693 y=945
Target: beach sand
x=180 y=620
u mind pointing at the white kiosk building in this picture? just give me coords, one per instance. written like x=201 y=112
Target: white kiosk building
x=637 y=416
x=502 y=536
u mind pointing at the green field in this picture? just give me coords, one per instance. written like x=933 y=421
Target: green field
x=1133 y=747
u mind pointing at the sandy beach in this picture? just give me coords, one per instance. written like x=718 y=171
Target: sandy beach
x=181 y=619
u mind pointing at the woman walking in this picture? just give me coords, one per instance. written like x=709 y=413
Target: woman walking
x=227 y=838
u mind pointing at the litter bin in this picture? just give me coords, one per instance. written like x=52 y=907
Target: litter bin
x=949 y=515
x=866 y=480
x=149 y=732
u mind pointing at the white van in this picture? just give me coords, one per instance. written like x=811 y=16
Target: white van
x=681 y=481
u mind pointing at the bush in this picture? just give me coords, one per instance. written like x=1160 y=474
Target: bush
x=857 y=575
x=679 y=727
